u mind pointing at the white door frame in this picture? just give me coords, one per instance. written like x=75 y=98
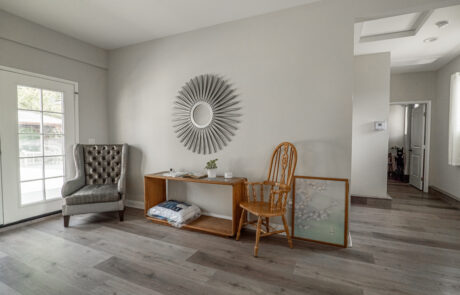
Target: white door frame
x=426 y=171
x=77 y=129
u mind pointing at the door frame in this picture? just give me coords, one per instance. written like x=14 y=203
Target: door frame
x=426 y=164
x=76 y=111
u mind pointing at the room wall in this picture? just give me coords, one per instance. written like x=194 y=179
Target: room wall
x=396 y=122
x=442 y=175
x=29 y=47
x=371 y=101
x=294 y=83
x=30 y=34
x=418 y=86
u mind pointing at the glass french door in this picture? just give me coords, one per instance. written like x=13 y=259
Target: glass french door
x=37 y=131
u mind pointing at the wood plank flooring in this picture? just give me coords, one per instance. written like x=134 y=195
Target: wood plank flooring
x=413 y=248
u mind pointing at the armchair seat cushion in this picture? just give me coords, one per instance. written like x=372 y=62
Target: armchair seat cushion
x=94 y=193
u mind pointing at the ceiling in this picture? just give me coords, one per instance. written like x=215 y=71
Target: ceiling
x=404 y=36
x=111 y=24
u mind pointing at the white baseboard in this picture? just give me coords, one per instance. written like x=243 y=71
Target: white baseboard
x=216 y=215
x=134 y=204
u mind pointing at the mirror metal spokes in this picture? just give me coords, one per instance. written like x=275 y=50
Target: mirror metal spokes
x=206 y=114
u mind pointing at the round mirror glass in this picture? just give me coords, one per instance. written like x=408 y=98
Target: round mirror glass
x=201 y=114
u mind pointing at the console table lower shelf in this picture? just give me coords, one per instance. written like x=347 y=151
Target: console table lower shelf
x=155 y=193
x=209 y=224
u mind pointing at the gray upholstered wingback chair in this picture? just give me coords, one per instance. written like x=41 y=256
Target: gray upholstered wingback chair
x=100 y=181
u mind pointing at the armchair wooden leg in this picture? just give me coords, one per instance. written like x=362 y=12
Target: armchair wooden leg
x=286 y=228
x=66 y=221
x=256 y=247
x=121 y=214
x=240 y=225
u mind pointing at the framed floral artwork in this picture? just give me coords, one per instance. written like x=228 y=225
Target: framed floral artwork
x=320 y=210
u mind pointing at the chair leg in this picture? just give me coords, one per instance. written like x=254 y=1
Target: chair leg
x=240 y=225
x=256 y=247
x=267 y=224
x=286 y=228
x=121 y=214
x=66 y=220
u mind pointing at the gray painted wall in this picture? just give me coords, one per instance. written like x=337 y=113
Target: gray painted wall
x=37 y=49
x=442 y=175
x=433 y=86
x=27 y=33
x=294 y=81
x=417 y=86
x=371 y=101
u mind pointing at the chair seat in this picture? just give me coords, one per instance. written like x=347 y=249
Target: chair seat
x=261 y=209
x=94 y=193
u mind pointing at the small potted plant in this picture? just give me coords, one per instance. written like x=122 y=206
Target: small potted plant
x=211 y=167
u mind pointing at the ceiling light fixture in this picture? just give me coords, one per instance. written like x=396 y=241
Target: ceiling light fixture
x=430 y=40
x=442 y=24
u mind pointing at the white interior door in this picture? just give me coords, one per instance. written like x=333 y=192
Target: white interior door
x=37 y=131
x=417 y=145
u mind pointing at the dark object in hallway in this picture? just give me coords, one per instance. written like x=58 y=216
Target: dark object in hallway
x=396 y=169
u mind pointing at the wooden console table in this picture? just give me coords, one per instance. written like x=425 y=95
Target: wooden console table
x=155 y=193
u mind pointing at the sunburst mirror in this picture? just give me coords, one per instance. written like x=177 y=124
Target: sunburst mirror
x=206 y=114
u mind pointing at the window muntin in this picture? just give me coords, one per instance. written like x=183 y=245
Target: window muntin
x=41 y=143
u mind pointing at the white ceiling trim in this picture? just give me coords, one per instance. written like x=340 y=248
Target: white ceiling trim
x=418 y=24
x=410 y=48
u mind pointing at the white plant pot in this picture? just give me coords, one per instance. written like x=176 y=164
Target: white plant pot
x=212 y=173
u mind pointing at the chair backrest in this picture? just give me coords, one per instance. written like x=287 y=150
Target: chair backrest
x=279 y=180
x=103 y=163
x=283 y=163
x=281 y=174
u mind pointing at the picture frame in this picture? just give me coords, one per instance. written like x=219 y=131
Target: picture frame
x=316 y=219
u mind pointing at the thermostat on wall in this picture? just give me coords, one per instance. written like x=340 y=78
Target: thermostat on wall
x=380 y=125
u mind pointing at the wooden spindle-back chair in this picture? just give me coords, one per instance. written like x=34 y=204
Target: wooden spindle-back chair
x=278 y=184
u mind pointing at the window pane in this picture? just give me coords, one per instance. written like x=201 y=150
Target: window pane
x=29 y=98
x=54 y=166
x=30 y=145
x=29 y=122
x=53 y=187
x=31 y=168
x=52 y=123
x=31 y=191
x=54 y=145
x=52 y=101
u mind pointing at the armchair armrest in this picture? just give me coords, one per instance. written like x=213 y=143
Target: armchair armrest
x=72 y=185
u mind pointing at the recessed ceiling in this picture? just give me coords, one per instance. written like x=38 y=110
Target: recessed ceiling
x=112 y=24
x=394 y=24
x=407 y=38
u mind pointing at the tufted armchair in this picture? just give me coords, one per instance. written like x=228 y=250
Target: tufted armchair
x=100 y=181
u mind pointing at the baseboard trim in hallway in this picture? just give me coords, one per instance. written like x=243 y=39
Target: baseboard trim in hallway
x=383 y=203
x=449 y=198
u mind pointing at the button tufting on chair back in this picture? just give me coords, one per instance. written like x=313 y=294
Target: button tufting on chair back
x=102 y=163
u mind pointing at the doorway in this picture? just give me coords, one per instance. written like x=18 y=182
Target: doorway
x=408 y=146
x=37 y=131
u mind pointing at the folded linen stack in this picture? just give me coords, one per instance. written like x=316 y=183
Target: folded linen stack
x=177 y=213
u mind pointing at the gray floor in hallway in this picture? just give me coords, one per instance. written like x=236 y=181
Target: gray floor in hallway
x=413 y=248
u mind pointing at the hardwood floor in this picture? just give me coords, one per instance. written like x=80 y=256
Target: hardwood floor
x=413 y=248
